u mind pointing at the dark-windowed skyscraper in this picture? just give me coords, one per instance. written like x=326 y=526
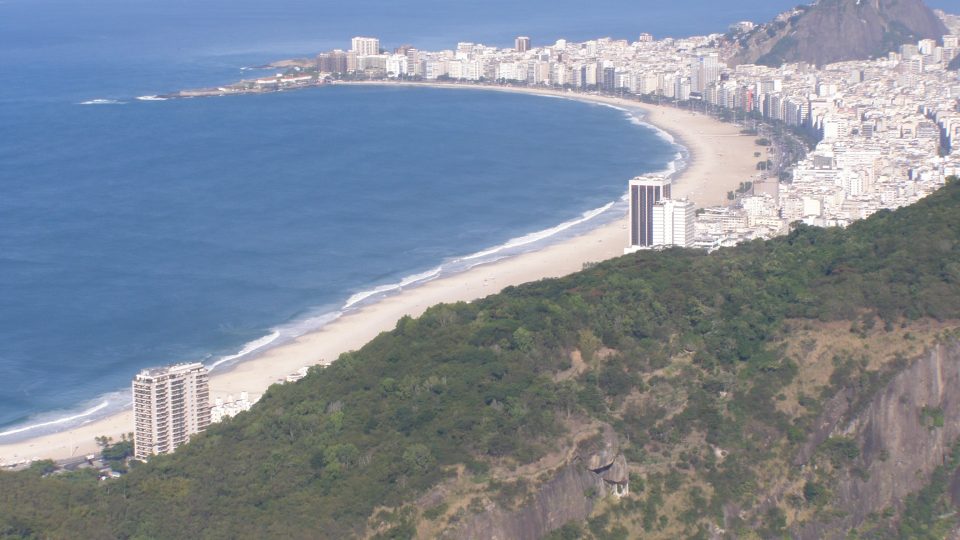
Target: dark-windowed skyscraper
x=645 y=191
x=522 y=44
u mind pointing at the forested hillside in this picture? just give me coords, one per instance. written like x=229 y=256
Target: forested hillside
x=712 y=370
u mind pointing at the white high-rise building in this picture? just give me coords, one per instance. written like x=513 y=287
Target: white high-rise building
x=397 y=65
x=645 y=192
x=365 y=46
x=169 y=405
x=706 y=70
x=926 y=46
x=673 y=223
x=414 y=66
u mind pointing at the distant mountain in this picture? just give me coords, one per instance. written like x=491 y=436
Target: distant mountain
x=837 y=30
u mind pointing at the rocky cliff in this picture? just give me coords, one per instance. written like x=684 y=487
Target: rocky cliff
x=836 y=30
x=597 y=469
x=905 y=432
x=569 y=496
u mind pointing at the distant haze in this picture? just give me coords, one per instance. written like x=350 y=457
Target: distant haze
x=301 y=26
x=425 y=23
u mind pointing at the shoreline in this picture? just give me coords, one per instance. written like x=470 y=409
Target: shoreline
x=718 y=158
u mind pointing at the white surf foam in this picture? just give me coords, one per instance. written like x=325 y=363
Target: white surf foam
x=540 y=235
x=151 y=98
x=103 y=102
x=415 y=279
x=247 y=349
x=93 y=410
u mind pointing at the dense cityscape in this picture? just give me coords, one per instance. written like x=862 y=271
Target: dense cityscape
x=883 y=129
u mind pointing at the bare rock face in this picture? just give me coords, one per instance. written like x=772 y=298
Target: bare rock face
x=600 y=454
x=617 y=473
x=899 y=449
x=837 y=30
x=570 y=496
x=596 y=470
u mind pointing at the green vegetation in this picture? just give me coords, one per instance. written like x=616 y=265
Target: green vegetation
x=930 y=513
x=840 y=450
x=932 y=417
x=115 y=455
x=678 y=351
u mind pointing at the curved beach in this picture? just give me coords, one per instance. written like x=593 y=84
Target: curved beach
x=719 y=159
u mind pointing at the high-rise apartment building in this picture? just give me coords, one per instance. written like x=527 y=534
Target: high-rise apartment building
x=365 y=46
x=645 y=192
x=414 y=66
x=332 y=62
x=169 y=405
x=522 y=44
x=673 y=223
x=706 y=70
x=608 y=79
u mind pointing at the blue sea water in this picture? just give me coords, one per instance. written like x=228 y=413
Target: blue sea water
x=152 y=232
x=137 y=233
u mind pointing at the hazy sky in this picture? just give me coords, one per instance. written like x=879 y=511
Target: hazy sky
x=287 y=26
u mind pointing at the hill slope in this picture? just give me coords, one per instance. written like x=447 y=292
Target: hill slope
x=719 y=387
x=836 y=30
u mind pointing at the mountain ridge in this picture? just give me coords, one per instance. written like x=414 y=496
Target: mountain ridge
x=831 y=31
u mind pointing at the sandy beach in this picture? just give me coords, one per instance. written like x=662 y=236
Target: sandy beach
x=720 y=158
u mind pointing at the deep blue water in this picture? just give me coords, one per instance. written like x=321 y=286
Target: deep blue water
x=139 y=234
x=145 y=233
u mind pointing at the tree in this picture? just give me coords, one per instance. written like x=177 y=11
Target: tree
x=418 y=459
x=119 y=451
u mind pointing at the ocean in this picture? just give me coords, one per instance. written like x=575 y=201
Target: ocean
x=136 y=234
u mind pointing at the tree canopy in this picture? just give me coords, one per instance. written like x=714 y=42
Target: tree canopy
x=479 y=385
